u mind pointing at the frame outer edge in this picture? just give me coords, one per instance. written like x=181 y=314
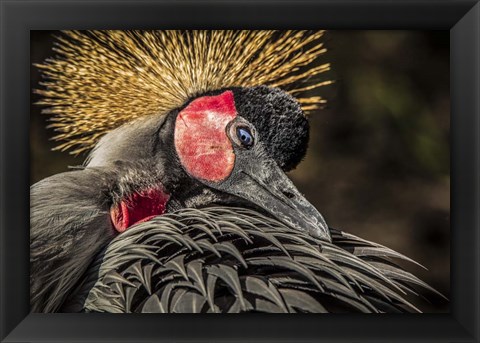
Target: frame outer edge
x=14 y=148
x=16 y=93
x=465 y=169
x=2 y=173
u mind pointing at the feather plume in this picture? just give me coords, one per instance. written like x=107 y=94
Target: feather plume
x=100 y=80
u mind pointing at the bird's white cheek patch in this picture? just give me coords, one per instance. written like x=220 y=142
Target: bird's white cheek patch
x=201 y=141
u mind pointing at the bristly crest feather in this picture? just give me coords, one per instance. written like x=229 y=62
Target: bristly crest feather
x=102 y=79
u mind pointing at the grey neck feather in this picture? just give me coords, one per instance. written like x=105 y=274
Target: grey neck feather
x=133 y=141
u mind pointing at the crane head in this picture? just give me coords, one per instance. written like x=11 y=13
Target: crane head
x=231 y=146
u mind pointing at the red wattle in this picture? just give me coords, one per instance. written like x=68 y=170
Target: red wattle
x=139 y=208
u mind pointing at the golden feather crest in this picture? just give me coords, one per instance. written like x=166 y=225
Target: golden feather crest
x=101 y=79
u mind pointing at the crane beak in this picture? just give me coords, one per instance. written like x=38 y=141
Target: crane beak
x=265 y=185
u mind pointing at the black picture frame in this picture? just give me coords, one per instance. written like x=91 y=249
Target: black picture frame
x=18 y=17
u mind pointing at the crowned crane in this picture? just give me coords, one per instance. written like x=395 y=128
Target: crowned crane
x=183 y=205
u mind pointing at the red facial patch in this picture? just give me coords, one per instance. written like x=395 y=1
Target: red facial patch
x=201 y=140
x=139 y=208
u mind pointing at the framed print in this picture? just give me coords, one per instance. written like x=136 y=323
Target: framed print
x=320 y=160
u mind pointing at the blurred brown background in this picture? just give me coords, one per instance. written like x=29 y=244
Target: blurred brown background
x=378 y=165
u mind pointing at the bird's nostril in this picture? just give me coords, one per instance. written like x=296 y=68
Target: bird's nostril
x=288 y=194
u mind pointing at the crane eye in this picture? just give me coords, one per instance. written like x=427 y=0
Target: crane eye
x=245 y=136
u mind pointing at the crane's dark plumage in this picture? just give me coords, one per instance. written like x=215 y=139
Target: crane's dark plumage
x=221 y=259
x=282 y=123
x=189 y=209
